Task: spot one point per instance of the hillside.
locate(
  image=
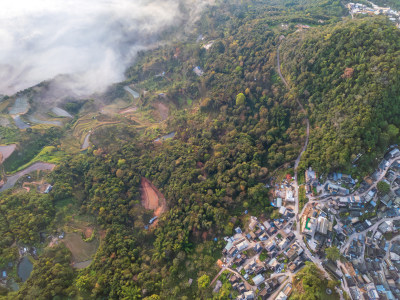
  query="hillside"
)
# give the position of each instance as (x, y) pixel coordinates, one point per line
(348, 77)
(181, 153)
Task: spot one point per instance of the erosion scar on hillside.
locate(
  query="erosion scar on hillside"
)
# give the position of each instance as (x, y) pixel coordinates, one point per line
(152, 198)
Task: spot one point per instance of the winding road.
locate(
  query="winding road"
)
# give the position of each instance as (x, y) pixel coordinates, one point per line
(38, 166)
(373, 228)
(297, 233)
(296, 164)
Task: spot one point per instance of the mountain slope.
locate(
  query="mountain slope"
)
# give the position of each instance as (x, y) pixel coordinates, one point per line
(349, 78)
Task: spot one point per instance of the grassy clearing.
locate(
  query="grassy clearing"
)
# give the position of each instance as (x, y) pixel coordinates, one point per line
(9, 135)
(4, 104)
(302, 197)
(48, 154)
(81, 250)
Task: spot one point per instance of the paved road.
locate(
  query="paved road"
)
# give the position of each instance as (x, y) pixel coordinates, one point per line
(299, 237)
(396, 238)
(373, 228)
(246, 284)
(274, 295)
(344, 282)
(86, 142)
(38, 166)
(296, 164)
(297, 233)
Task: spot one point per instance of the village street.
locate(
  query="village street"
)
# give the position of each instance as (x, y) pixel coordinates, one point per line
(373, 228)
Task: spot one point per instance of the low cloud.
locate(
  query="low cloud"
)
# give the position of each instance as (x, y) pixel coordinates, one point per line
(90, 42)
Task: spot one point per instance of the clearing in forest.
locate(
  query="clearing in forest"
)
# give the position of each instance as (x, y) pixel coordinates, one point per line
(81, 250)
(152, 198)
(6, 151)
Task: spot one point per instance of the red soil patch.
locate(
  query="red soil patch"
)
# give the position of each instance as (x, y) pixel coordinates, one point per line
(152, 198)
(162, 110)
(88, 232)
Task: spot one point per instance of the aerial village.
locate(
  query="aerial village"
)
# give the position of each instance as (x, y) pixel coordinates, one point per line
(357, 8)
(358, 218)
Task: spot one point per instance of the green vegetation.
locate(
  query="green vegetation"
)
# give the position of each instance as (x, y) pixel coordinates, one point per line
(240, 99)
(383, 187)
(23, 216)
(309, 284)
(234, 126)
(31, 146)
(332, 253)
(52, 277)
(394, 4)
(9, 135)
(302, 197)
(347, 76)
(263, 255)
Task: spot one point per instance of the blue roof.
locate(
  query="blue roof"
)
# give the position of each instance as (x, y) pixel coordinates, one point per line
(389, 295)
(380, 288)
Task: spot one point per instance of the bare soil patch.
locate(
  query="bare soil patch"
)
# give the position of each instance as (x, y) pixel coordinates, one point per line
(162, 110)
(6, 151)
(152, 198)
(88, 232)
(128, 110)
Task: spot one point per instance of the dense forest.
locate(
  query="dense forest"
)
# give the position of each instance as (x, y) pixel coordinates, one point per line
(235, 124)
(347, 75)
(393, 4)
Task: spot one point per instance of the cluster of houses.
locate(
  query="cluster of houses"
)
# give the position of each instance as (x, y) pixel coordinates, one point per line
(284, 197)
(317, 226)
(285, 293)
(312, 182)
(328, 223)
(268, 250)
(373, 270)
(357, 8)
(265, 248)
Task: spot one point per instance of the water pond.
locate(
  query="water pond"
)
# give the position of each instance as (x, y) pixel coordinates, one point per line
(25, 268)
(166, 137)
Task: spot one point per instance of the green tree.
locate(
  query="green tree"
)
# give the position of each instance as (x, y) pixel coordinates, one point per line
(153, 297)
(332, 253)
(240, 99)
(383, 187)
(393, 131)
(203, 282)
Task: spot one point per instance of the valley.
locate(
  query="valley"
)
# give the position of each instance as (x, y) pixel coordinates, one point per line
(250, 155)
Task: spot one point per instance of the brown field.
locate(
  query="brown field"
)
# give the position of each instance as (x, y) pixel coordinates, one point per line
(81, 251)
(128, 110)
(6, 151)
(152, 198)
(162, 110)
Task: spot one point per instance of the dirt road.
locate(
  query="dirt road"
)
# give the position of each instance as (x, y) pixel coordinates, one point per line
(38, 166)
